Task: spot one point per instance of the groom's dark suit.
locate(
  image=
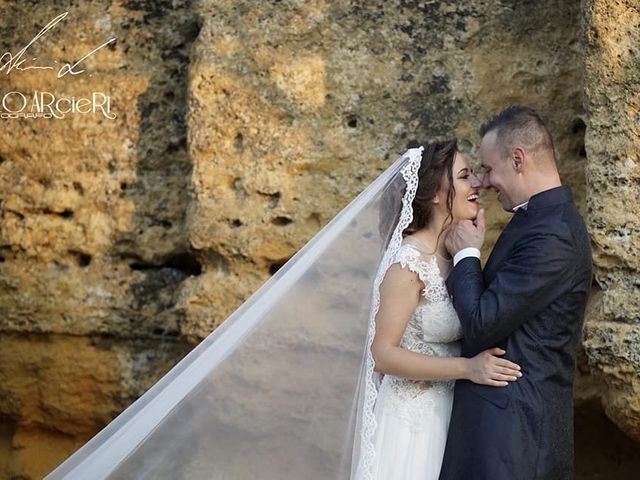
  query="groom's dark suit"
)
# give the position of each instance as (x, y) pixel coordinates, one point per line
(530, 301)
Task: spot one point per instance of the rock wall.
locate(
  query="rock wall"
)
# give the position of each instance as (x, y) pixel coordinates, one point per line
(612, 94)
(93, 243)
(242, 128)
(296, 106)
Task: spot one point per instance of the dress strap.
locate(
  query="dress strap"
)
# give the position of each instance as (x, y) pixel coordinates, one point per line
(426, 267)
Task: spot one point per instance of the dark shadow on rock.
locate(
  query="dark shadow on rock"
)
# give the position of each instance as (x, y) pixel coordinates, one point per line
(603, 451)
(157, 244)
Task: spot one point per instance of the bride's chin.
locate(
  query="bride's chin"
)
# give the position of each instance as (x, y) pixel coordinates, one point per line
(477, 209)
(473, 216)
(467, 214)
(460, 218)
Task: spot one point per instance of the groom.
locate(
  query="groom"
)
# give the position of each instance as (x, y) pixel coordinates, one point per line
(530, 301)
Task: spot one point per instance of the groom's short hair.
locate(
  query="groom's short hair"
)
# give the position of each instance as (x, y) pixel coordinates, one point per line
(518, 124)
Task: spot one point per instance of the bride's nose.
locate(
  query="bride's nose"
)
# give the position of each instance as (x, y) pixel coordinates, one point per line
(475, 181)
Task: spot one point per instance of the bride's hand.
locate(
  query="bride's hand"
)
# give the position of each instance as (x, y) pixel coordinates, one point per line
(487, 368)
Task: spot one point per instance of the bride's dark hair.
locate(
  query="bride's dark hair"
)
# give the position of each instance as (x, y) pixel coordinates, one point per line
(437, 161)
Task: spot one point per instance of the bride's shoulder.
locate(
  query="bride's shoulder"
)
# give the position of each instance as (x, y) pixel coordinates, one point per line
(410, 255)
(416, 255)
(410, 243)
(409, 247)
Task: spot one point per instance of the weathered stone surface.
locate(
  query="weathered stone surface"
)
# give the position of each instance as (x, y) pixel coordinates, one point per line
(295, 107)
(242, 128)
(93, 231)
(612, 87)
(93, 247)
(57, 391)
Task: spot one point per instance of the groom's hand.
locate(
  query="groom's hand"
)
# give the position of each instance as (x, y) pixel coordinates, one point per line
(465, 233)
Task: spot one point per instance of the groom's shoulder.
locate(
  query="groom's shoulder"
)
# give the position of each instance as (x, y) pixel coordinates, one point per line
(572, 220)
(563, 224)
(556, 220)
(558, 216)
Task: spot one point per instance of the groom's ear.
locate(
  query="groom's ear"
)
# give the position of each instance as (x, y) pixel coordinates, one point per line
(517, 159)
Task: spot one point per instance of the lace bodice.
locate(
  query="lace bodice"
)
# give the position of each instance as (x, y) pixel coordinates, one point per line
(435, 320)
(434, 329)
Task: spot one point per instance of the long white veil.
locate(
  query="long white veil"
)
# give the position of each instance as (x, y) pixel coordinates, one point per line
(273, 392)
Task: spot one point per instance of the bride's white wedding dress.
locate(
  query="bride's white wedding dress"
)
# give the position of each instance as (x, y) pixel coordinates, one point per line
(412, 417)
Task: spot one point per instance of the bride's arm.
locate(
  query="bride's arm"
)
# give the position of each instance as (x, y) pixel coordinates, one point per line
(399, 297)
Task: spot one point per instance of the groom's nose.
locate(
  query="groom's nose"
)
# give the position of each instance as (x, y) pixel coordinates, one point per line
(485, 181)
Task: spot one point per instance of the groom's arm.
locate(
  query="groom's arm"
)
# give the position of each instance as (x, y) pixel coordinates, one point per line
(537, 272)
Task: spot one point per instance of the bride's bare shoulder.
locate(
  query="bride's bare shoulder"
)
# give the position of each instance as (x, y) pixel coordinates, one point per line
(417, 244)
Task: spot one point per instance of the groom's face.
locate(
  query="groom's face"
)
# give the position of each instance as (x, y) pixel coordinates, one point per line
(498, 174)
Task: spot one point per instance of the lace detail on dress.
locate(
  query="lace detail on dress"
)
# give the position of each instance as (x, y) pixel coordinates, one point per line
(435, 289)
(413, 401)
(433, 330)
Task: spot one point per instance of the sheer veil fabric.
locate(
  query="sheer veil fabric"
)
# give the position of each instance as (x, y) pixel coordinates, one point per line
(363, 451)
(281, 389)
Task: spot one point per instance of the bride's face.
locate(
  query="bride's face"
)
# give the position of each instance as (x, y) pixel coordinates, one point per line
(465, 201)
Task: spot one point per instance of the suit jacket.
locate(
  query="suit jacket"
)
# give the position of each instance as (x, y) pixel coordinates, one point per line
(530, 301)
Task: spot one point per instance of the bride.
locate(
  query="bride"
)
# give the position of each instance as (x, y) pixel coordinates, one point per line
(414, 346)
